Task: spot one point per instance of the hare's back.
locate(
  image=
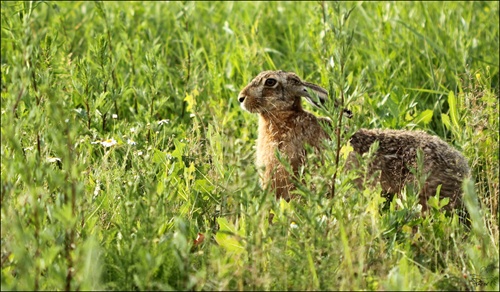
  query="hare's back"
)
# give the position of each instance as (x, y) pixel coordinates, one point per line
(401, 146)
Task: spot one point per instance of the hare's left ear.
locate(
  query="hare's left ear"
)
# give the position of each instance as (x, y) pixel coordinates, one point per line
(322, 96)
(320, 92)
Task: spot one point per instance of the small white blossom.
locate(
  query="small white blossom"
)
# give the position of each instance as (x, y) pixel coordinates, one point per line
(109, 143)
(322, 219)
(97, 188)
(164, 122)
(139, 153)
(227, 29)
(192, 115)
(131, 142)
(132, 130)
(53, 159)
(114, 116)
(332, 62)
(294, 225)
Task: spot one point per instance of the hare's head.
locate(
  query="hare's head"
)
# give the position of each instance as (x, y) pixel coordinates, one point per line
(273, 91)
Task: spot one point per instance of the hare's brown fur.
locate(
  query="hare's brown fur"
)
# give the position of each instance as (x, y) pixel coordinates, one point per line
(397, 156)
(286, 132)
(284, 126)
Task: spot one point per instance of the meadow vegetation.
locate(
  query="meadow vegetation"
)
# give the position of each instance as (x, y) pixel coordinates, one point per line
(127, 163)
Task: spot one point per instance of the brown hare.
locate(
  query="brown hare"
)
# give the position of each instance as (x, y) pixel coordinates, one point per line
(396, 159)
(286, 127)
(283, 124)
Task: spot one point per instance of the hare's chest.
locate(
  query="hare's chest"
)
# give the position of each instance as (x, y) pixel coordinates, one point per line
(284, 140)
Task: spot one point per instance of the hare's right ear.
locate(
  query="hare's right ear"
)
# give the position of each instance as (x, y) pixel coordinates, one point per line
(319, 91)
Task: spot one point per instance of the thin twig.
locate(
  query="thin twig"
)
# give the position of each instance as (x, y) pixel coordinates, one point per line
(14, 108)
(70, 234)
(338, 132)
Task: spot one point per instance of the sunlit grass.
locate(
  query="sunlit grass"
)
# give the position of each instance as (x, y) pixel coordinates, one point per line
(122, 140)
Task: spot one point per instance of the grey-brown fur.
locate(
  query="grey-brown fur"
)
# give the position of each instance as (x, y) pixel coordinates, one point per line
(397, 155)
(284, 126)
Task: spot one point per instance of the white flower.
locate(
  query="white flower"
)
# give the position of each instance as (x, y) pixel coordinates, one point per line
(162, 122)
(132, 130)
(332, 62)
(53, 159)
(114, 116)
(227, 29)
(139, 153)
(192, 115)
(97, 189)
(294, 225)
(322, 219)
(109, 143)
(131, 142)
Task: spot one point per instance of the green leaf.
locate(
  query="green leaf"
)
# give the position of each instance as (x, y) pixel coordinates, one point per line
(191, 100)
(159, 157)
(202, 185)
(446, 120)
(160, 187)
(424, 117)
(179, 149)
(349, 78)
(452, 102)
(225, 239)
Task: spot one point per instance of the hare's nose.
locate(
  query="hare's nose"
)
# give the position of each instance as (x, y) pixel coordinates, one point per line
(241, 98)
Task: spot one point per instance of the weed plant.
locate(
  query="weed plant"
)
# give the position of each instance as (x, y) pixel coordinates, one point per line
(127, 163)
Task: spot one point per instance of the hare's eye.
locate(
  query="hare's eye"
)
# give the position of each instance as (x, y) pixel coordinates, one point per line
(270, 82)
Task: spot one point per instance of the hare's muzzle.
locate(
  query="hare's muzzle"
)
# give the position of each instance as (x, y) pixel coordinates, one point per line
(241, 99)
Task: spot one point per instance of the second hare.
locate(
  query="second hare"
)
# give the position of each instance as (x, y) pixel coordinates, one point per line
(283, 124)
(396, 157)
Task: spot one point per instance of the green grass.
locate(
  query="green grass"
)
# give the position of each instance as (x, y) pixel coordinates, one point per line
(162, 79)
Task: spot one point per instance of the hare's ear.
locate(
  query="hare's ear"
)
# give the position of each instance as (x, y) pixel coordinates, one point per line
(320, 92)
(322, 96)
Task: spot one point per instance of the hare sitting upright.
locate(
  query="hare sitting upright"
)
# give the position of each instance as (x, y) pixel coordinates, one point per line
(283, 124)
(285, 127)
